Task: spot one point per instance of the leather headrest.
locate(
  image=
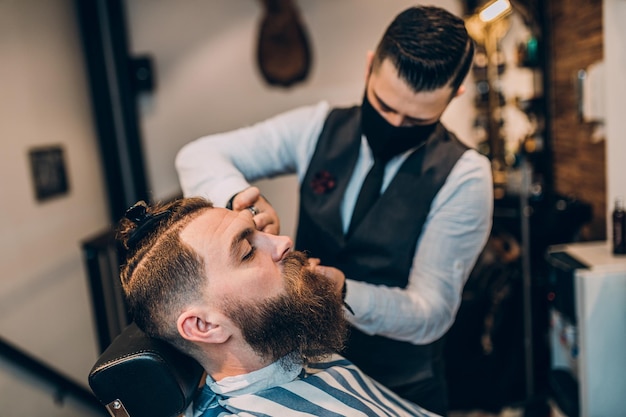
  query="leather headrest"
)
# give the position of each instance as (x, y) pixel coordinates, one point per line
(148, 376)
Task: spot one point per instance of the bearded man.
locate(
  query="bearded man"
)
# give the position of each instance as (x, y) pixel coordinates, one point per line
(254, 313)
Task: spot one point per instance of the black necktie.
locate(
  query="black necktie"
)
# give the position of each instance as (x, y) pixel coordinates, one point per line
(370, 191)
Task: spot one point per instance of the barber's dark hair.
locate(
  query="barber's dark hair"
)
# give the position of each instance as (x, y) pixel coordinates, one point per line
(161, 273)
(429, 46)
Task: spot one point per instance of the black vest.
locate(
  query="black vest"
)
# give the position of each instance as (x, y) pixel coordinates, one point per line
(382, 247)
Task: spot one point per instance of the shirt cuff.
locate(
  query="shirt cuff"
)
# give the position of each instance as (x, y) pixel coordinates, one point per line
(228, 188)
(358, 296)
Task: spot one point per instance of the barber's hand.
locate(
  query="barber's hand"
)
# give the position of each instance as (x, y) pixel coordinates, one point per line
(332, 273)
(266, 218)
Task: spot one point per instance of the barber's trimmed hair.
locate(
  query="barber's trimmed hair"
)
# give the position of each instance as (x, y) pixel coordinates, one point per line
(161, 273)
(429, 46)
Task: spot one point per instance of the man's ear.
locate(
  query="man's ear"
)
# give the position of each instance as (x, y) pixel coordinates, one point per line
(198, 325)
(460, 91)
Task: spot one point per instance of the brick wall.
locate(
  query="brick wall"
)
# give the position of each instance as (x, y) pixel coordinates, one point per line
(579, 163)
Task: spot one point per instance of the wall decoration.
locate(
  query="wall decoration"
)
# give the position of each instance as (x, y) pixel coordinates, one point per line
(48, 171)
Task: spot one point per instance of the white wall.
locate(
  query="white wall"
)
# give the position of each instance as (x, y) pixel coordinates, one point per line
(208, 79)
(44, 100)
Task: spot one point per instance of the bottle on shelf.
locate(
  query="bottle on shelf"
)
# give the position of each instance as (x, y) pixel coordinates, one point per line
(619, 227)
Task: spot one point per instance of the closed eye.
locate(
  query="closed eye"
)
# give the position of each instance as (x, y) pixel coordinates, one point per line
(249, 255)
(384, 107)
(241, 247)
(408, 120)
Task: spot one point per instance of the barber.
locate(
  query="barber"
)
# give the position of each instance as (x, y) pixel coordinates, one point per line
(391, 200)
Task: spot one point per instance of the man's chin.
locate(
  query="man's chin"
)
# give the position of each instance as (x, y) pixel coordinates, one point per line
(307, 320)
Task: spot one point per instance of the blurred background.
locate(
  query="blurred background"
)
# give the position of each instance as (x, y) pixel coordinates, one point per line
(98, 96)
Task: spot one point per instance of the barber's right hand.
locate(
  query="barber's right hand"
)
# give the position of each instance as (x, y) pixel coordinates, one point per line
(266, 219)
(336, 276)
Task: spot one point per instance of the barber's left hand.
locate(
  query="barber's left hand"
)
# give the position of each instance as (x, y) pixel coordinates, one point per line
(266, 219)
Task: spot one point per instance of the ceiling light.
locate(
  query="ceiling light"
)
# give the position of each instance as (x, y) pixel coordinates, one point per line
(494, 10)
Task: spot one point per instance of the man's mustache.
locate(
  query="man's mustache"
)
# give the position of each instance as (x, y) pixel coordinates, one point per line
(294, 262)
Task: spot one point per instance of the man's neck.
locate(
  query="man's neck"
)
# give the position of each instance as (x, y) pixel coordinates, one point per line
(229, 361)
(276, 374)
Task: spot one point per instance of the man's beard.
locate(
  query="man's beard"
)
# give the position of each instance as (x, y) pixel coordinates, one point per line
(308, 321)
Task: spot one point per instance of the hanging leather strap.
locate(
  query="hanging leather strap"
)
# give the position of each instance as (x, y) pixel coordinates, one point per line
(283, 51)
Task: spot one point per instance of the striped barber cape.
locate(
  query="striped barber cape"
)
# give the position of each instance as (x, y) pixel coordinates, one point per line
(333, 387)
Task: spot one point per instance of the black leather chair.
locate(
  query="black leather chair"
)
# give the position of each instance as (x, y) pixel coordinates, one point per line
(139, 376)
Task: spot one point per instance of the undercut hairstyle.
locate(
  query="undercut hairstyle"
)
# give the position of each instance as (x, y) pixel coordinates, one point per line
(429, 47)
(161, 273)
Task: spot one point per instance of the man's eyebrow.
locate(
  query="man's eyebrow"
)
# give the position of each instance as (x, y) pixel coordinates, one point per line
(236, 242)
(387, 107)
(383, 103)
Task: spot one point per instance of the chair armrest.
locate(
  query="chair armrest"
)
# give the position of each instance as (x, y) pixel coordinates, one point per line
(139, 376)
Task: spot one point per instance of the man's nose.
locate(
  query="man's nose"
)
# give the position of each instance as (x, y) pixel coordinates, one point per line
(279, 246)
(395, 119)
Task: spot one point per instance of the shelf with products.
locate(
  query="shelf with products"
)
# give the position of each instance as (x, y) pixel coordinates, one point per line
(508, 284)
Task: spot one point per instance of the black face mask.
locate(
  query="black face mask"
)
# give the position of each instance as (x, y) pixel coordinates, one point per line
(387, 140)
